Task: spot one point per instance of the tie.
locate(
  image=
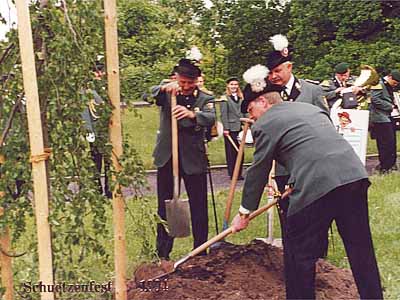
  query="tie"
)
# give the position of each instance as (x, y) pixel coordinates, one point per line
(285, 95)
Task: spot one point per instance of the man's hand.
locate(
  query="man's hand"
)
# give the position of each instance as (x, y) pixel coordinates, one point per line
(339, 89)
(357, 90)
(180, 112)
(247, 120)
(226, 132)
(239, 223)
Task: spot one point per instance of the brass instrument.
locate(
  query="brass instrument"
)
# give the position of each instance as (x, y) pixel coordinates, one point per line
(367, 79)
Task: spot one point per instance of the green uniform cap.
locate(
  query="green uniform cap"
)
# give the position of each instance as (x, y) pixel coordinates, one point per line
(341, 68)
(395, 75)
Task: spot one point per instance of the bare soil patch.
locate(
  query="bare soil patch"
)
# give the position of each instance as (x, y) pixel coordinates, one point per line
(253, 271)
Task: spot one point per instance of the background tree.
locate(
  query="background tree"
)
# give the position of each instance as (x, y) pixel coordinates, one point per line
(357, 32)
(153, 36)
(245, 28)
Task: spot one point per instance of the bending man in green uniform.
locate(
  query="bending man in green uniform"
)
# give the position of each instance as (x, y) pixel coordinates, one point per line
(328, 183)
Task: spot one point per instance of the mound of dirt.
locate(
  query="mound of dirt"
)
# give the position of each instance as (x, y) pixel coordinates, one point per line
(253, 271)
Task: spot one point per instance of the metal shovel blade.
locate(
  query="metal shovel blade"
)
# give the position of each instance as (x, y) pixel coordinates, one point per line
(178, 217)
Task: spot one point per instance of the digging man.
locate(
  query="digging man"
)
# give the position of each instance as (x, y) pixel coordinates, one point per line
(328, 182)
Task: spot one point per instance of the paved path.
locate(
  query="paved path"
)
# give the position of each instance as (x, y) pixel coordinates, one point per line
(221, 180)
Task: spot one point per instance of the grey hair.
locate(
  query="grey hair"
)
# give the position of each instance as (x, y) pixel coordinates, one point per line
(272, 98)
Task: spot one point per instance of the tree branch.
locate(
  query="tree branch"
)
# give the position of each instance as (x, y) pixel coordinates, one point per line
(6, 52)
(10, 120)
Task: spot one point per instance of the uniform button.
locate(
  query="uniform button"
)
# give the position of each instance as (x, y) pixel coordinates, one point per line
(188, 106)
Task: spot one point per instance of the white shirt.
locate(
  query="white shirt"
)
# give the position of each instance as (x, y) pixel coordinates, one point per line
(342, 84)
(289, 85)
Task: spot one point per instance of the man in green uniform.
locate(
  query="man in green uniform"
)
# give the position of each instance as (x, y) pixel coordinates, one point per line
(382, 104)
(279, 63)
(332, 88)
(230, 118)
(194, 111)
(328, 183)
(95, 118)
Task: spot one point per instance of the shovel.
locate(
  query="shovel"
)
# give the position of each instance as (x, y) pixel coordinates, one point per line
(178, 210)
(221, 236)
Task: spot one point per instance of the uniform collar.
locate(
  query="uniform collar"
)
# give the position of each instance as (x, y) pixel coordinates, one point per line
(289, 85)
(195, 93)
(339, 82)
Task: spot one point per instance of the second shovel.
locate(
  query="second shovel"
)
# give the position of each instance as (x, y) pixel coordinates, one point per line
(178, 210)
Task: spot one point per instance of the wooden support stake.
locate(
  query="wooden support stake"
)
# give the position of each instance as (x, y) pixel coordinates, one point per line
(6, 265)
(40, 187)
(116, 140)
(5, 261)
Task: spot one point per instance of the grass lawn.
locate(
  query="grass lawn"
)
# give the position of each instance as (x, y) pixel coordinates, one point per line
(384, 209)
(140, 128)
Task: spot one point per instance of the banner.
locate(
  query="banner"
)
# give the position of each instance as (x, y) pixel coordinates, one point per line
(352, 124)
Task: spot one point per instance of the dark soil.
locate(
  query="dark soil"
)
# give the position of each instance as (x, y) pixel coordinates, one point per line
(253, 271)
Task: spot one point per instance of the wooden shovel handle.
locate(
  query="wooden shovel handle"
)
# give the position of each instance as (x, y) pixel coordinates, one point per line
(175, 159)
(228, 231)
(235, 175)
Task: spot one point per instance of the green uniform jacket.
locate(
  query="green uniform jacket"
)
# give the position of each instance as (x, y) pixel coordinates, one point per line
(190, 132)
(302, 138)
(88, 119)
(306, 92)
(381, 104)
(329, 87)
(231, 113)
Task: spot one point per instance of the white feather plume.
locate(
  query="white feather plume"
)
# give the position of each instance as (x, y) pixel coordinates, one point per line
(255, 76)
(194, 54)
(279, 42)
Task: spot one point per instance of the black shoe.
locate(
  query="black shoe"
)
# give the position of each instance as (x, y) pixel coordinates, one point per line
(164, 258)
(385, 171)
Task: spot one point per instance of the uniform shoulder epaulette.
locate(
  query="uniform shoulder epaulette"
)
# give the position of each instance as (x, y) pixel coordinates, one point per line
(377, 87)
(325, 83)
(165, 81)
(222, 98)
(205, 91)
(312, 81)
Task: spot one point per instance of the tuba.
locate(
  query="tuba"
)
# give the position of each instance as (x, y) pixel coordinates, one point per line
(367, 79)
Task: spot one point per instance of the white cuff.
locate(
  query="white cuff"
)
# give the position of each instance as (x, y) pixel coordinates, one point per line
(244, 211)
